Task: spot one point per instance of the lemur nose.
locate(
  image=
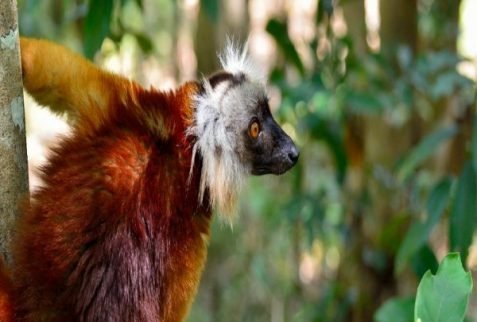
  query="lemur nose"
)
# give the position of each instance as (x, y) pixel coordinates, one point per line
(293, 154)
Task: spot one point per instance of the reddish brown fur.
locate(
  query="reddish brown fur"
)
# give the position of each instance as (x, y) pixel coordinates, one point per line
(116, 233)
(6, 291)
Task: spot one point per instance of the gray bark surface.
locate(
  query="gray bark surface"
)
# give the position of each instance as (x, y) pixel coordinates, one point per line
(13, 157)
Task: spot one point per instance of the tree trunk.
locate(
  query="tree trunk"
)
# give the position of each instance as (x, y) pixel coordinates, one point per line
(451, 109)
(13, 157)
(398, 24)
(354, 13)
(232, 21)
(206, 44)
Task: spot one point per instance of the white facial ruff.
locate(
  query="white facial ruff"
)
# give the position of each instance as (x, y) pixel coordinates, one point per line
(223, 173)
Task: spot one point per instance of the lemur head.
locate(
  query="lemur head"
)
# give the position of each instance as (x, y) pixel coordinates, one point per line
(235, 132)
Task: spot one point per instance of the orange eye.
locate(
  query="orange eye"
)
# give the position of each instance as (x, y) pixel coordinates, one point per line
(254, 129)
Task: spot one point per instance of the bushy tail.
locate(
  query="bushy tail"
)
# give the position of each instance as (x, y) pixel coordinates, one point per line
(6, 295)
(68, 83)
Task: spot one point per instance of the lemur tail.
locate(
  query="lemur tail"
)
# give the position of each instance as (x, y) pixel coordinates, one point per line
(6, 295)
(68, 83)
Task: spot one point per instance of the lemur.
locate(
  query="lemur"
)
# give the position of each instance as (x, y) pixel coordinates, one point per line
(119, 229)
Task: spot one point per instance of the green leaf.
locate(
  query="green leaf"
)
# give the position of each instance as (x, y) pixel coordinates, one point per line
(139, 3)
(419, 232)
(463, 212)
(444, 297)
(474, 144)
(144, 42)
(396, 310)
(279, 31)
(96, 25)
(423, 150)
(211, 8)
(424, 260)
(447, 83)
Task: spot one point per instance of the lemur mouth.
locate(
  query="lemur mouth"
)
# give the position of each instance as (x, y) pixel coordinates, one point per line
(261, 171)
(264, 171)
(283, 165)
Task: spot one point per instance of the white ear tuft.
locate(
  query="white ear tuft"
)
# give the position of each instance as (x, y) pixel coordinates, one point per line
(235, 60)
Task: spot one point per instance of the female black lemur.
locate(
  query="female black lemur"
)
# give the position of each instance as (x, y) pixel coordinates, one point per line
(118, 231)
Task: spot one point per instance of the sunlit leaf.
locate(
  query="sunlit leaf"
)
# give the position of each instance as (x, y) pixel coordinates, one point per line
(418, 234)
(444, 296)
(279, 31)
(396, 309)
(463, 213)
(96, 25)
(423, 150)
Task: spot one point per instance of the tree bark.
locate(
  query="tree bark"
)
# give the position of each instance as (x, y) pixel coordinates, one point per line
(354, 13)
(206, 44)
(451, 109)
(13, 157)
(398, 24)
(233, 21)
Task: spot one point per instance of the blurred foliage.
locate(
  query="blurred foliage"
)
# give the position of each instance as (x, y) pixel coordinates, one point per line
(342, 86)
(84, 24)
(344, 231)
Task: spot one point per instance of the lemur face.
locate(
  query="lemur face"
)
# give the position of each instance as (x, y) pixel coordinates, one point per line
(234, 131)
(260, 143)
